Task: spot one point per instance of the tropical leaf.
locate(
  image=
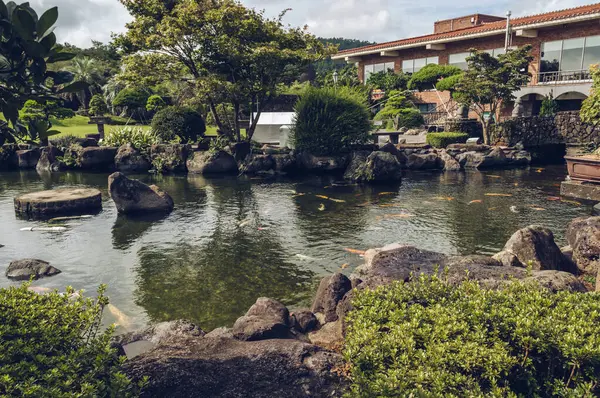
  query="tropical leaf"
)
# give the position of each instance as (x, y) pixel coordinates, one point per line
(46, 21)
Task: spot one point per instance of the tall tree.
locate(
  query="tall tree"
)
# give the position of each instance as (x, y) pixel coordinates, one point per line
(491, 81)
(229, 53)
(87, 70)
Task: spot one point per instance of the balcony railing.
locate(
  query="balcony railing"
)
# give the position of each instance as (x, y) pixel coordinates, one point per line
(563, 76)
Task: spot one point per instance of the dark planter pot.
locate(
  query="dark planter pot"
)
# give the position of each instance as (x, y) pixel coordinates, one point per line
(584, 168)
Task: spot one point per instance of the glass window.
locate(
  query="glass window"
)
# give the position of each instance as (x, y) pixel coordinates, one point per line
(572, 54)
(368, 71)
(407, 66)
(389, 66)
(592, 52)
(433, 60)
(551, 56)
(378, 68)
(419, 64)
(498, 51)
(459, 60)
(426, 108)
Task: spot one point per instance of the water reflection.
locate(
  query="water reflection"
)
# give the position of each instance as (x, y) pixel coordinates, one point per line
(231, 240)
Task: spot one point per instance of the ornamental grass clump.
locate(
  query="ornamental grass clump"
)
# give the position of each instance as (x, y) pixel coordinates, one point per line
(139, 137)
(426, 338)
(53, 345)
(329, 121)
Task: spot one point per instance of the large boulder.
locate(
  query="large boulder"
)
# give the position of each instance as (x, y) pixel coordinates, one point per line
(557, 281)
(331, 290)
(535, 245)
(28, 158)
(131, 160)
(96, 158)
(429, 161)
(321, 164)
(393, 150)
(357, 162)
(480, 160)
(377, 167)
(24, 270)
(219, 162)
(448, 162)
(266, 319)
(171, 157)
(224, 367)
(258, 164)
(304, 321)
(285, 163)
(8, 157)
(583, 235)
(132, 196)
(162, 332)
(49, 160)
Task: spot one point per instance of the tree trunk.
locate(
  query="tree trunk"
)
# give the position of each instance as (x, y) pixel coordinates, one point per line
(236, 120)
(213, 110)
(486, 131)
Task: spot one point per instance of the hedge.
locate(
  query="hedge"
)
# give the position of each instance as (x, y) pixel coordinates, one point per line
(442, 140)
(427, 338)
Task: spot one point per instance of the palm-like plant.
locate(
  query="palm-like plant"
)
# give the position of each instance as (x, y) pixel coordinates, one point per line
(111, 89)
(87, 70)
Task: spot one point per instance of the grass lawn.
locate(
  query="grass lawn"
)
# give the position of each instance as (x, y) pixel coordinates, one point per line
(79, 127)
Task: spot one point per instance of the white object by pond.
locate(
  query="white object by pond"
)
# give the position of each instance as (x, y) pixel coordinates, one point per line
(45, 229)
(268, 127)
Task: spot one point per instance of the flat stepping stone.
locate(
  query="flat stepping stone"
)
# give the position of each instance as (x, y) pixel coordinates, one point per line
(56, 202)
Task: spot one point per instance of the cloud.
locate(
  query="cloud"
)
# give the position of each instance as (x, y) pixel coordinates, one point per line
(80, 21)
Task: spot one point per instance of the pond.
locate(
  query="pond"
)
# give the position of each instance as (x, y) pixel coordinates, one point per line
(232, 240)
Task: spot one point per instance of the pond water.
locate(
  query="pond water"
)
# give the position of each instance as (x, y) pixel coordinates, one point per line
(232, 240)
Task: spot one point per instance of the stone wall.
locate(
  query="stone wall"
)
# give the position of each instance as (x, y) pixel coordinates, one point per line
(564, 128)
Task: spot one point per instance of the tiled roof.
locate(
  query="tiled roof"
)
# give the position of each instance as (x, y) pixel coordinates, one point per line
(486, 27)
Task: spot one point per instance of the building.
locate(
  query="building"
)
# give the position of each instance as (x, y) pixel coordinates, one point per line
(564, 45)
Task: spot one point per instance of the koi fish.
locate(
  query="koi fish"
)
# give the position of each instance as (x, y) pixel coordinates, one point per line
(322, 197)
(322, 207)
(539, 170)
(502, 195)
(492, 176)
(60, 219)
(448, 198)
(538, 209)
(476, 201)
(355, 251)
(492, 208)
(387, 193)
(45, 229)
(571, 202)
(344, 266)
(554, 198)
(514, 209)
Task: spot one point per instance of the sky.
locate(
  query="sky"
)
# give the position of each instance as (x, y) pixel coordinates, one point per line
(81, 21)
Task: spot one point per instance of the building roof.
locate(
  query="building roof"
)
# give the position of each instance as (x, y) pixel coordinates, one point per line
(550, 18)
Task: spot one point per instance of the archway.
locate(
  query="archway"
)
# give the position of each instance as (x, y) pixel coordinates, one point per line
(570, 101)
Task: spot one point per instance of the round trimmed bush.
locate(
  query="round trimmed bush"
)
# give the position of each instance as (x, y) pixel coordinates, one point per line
(98, 106)
(132, 100)
(442, 140)
(155, 103)
(330, 121)
(178, 122)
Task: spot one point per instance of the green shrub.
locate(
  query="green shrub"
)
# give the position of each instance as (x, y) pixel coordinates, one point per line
(389, 125)
(329, 121)
(428, 76)
(132, 101)
(98, 106)
(51, 345)
(442, 140)
(155, 103)
(426, 338)
(137, 136)
(64, 141)
(410, 118)
(33, 110)
(549, 106)
(183, 123)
